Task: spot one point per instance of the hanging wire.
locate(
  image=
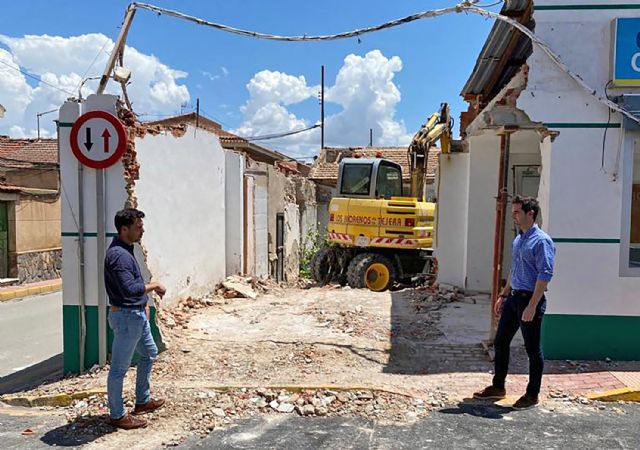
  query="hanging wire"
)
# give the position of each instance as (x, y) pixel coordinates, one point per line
(466, 6)
(280, 135)
(25, 73)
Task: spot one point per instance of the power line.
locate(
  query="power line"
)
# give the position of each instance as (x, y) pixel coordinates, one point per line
(329, 37)
(279, 135)
(36, 78)
(465, 6)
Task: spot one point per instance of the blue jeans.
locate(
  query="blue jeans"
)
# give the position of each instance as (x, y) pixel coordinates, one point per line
(131, 332)
(510, 321)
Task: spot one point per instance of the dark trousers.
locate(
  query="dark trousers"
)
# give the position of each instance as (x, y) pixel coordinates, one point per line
(510, 321)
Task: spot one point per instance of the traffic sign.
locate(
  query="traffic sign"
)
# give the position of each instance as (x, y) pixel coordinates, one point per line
(98, 139)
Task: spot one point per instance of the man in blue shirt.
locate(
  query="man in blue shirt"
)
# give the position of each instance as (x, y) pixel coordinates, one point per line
(129, 320)
(522, 303)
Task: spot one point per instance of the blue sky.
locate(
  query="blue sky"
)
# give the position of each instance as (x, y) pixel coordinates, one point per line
(393, 81)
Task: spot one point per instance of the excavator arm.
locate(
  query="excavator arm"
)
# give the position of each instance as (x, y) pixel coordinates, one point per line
(437, 127)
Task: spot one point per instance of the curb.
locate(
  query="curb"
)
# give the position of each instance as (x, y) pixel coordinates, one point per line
(26, 291)
(628, 394)
(58, 400)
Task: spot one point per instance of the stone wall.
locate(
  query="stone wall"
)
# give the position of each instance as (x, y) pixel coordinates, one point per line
(39, 266)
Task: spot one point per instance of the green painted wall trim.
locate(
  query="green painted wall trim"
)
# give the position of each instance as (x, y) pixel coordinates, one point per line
(568, 336)
(71, 337)
(86, 234)
(584, 7)
(581, 125)
(586, 240)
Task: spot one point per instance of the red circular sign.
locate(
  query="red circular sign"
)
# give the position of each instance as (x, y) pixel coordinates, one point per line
(98, 139)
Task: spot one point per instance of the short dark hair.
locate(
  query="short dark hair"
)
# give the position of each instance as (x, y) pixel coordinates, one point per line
(126, 217)
(527, 204)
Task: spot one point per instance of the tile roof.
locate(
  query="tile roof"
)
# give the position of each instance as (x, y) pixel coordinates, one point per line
(325, 167)
(23, 153)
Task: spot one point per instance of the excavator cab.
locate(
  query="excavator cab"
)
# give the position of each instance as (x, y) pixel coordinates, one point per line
(369, 178)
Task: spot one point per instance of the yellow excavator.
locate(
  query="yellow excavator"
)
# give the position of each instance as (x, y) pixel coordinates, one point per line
(377, 235)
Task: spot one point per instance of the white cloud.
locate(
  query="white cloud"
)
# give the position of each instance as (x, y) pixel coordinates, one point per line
(154, 86)
(215, 77)
(364, 89)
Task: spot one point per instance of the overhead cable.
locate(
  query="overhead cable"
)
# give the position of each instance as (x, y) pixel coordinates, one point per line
(466, 6)
(280, 135)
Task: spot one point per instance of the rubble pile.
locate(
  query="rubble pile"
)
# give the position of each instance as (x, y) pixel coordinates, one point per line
(354, 322)
(247, 287)
(233, 287)
(212, 409)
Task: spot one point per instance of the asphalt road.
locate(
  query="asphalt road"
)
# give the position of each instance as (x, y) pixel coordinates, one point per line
(466, 426)
(30, 331)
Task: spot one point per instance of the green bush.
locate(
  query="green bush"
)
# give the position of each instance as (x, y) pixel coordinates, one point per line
(311, 244)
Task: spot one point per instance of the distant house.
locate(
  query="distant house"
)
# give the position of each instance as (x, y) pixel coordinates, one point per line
(30, 246)
(324, 171)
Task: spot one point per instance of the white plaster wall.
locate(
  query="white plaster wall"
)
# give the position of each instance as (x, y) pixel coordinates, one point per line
(451, 217)
(587, 281)
(276, 205)
(291, 242)
(234, 219)
(308, 223)
(483, 185)
(261, 227)
(182, 192)
(583, 198)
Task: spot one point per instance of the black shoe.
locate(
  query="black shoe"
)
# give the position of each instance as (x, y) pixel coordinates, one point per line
(491, 393)
(526, 401)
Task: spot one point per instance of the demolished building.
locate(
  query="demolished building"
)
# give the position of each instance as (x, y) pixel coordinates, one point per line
(533, 129)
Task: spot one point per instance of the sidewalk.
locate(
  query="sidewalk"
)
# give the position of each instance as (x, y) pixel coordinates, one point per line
(25, 290)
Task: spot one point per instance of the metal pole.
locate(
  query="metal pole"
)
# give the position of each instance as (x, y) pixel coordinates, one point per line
(501, 213)
(370, 137)
(102, 239)
(100, 203)
(81, 282)
(128, 18)
(322, 107)
(38, 119)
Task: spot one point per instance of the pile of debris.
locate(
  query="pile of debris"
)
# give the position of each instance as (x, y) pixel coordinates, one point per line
(247, 287)
(216, 409)
(233, 287)
(354, 322)
(434, 297)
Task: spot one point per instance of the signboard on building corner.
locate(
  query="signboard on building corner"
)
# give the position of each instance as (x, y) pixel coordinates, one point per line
(626, 52)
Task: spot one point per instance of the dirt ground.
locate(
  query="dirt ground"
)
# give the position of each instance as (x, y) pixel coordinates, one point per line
(389, 356)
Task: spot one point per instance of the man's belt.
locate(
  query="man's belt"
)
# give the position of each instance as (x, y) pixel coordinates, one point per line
(521, 293)
(115, 308)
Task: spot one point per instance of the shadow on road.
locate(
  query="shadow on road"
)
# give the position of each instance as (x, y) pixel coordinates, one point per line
(420, 347)
(29, 377)
(472, 407)
(80, 431)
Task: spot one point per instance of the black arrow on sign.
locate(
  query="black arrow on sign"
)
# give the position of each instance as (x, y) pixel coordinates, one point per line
(88, 142)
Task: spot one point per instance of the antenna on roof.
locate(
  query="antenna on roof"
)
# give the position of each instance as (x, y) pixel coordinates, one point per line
(38, 115)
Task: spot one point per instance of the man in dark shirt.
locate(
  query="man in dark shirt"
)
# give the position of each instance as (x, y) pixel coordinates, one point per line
(129, 320)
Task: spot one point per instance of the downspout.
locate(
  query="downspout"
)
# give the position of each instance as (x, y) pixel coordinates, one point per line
(501, 214)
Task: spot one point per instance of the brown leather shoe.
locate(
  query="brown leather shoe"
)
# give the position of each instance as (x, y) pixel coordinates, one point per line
(128, 422)
(526, 401)
(148, 407)
(491, 393)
